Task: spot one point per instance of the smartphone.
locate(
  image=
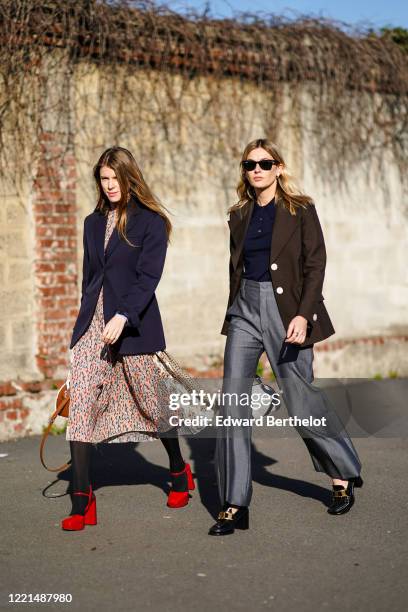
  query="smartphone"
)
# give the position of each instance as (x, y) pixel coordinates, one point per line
(289, 352)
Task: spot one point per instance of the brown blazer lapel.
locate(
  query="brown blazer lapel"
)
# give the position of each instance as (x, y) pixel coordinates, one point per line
(283, 228)
(238, 224)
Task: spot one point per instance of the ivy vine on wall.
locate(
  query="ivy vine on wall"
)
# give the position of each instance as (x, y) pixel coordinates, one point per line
(179, 76)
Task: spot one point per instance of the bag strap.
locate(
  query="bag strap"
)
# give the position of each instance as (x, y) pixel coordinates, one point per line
(180, 374)
(43, 440)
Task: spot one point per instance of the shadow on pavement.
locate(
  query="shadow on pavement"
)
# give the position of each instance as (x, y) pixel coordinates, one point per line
(202, 455)
(122, 464)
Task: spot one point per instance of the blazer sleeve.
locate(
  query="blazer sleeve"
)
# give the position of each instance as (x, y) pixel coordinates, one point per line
(85, 263)
(230, 266)
(314, 263)
(231, 247)
(149, 270)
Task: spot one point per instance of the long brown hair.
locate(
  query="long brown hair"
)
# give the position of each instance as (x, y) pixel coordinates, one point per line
(131, 182)
(287, 194)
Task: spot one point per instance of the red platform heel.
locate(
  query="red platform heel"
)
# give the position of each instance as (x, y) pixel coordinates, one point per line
(76, 522)
(178, 499)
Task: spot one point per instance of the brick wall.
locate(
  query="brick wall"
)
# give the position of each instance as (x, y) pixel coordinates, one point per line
(55, 266)
(25, 404)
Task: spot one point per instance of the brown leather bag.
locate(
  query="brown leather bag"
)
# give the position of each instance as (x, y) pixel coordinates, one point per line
(61, 409)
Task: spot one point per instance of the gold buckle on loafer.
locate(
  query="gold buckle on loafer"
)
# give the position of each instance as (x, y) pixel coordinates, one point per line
(225, 516)
(341, 493)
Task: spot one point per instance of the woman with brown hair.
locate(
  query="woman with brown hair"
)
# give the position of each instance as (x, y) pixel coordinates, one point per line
(119, 369)
(276, 305)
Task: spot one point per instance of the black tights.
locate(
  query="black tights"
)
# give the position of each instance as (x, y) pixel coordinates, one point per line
(80, 466)
(170, 442)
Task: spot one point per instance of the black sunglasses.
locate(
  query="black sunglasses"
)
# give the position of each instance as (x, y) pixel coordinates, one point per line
(264, 164)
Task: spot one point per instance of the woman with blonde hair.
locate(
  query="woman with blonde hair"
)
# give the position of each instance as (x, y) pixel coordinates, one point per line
(275, 304)
(119, 368)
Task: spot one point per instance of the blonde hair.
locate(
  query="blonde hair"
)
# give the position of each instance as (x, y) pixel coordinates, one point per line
(131, 182)
(287, 194)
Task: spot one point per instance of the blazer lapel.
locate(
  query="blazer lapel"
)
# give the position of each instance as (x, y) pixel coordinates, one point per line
(112, 242)
(238, 226)
(283, 227)
(99, 234)
(132, 212)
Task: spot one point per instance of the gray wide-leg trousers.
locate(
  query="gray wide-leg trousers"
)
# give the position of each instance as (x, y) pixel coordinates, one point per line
(255, 327)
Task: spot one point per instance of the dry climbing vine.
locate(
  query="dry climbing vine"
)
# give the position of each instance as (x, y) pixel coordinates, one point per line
(187, 81)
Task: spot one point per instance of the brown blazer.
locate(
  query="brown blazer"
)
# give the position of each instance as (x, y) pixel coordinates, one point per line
(297, 264)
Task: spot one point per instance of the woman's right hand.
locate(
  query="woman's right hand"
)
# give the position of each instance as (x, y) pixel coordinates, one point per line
(297, 328)
(113, 329)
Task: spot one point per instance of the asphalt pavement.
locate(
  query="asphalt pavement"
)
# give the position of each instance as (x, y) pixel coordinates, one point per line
(145, 556)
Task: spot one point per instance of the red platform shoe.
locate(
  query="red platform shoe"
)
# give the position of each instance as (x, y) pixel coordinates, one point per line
(76, 522)
(178, 499)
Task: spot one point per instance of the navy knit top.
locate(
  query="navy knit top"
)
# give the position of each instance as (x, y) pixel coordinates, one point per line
(257, 245)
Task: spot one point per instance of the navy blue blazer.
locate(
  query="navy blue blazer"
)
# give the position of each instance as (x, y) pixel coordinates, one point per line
(129, 276)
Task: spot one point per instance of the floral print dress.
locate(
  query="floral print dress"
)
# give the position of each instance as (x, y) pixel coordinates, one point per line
(115, 400)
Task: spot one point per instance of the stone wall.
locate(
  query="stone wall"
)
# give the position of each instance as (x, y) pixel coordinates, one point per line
(364, 222)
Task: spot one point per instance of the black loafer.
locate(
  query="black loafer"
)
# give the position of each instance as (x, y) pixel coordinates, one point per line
(343, 498)
(228, 521)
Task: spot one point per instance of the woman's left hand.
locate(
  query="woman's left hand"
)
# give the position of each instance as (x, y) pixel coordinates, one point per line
(113, 329)
(296, 333)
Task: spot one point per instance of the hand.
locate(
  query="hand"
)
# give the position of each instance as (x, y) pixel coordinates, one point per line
(113, 329)
(296, 333)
